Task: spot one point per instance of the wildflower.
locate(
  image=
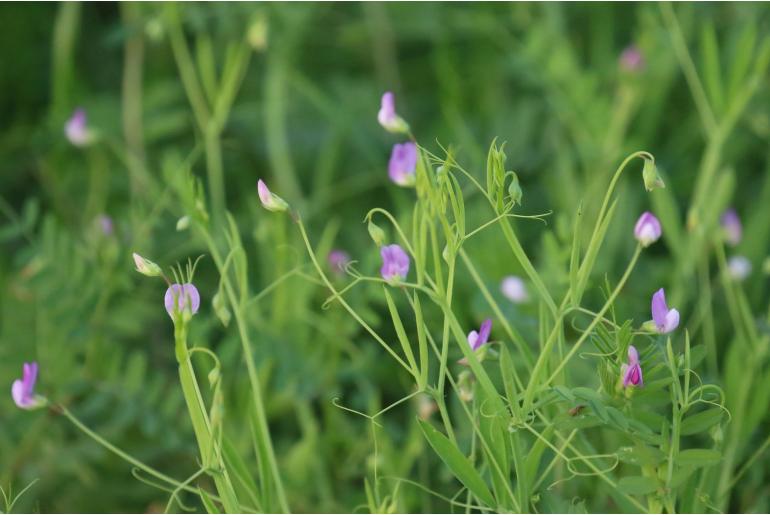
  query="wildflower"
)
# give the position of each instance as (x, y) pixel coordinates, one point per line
(186, 296)
(395, 263)
(270, 200)
(338, 260)
(76, 129)
(739, 267)
(387, 115)
(647, 229)
(632, 59)
(106, 225)
(23, 390)
(665, 320)
(402, 164)
(632, 372)
(514, 289)
(477, 339)
(146, 267)
(731, 227)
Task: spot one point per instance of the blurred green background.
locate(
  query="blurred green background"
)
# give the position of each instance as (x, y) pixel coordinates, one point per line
(544, 78)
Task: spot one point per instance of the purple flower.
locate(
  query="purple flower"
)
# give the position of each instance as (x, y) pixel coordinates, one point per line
(477, 339)
(23, 390)
(665, 320)
(76, 129)
(338, 260)
(739, 267)
(186, 297)
(106, 225)
(270, 200)
(395, 263)
(647, 229)
(632, 59)
(402, 164)
(514, 289)
(632, 372)
(387, 115)
(731, 225)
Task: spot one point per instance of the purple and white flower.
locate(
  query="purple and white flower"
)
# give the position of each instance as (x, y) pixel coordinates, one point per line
(182, 298)
(338, 260)
(76, 129)
(23, 390)
(731, 227)
(514, 289)
(739, 267)
(665, 320)
(632, 371)
(403, 163)
(388, 117)
(632, 59)
(477, 339)
(395, 263)
(647, 229)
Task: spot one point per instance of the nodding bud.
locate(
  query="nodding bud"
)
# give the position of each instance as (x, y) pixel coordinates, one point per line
(647, 230)
(270, 200)
(514, 189)
(220, 309)
(650, 174)
(257, 34)
(377, 234)
(146, 267)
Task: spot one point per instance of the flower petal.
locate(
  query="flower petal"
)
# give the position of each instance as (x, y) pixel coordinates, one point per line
(659, 308)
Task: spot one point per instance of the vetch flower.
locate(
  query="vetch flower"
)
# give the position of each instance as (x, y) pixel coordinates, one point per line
(632, 372)
(402, 164)
(731, 226)
(106, 225)
(632, 59)
(76, 129)
(477, 339)
(395, 263)
(146, 267)
(739, 267)
(270, 200)
(338, 260)
(664, 319)
(187, 298)
(514, 289)
(387, 115)
(23, 390)
(647, 229)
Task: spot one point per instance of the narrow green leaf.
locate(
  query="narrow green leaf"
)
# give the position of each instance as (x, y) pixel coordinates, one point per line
(460, 466)
(699, 457)
(637, 485)
(401, 333)
(700, 422)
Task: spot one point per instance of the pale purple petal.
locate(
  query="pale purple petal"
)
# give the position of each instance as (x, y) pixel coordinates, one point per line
(632, 375)
(395, 262)
(338, 260)
(672, 321)
(403, 163)
(23, 390)
(659, 308)
(484, 330)
(632, 59)
(731, 224)
(647, 229)
(514, 289)
(264, 193)
(473, 338)
(633, 355)
(17, 392)
(186, 295)
(739, 267)
(76, 130)
(387, 114)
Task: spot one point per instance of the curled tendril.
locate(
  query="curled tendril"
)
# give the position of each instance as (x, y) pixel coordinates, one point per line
(136, 472)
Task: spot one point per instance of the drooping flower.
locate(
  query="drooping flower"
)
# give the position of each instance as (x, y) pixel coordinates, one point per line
(514, 289)
(395, 263)
(186, 296)
(23, 390)
(647, 229)
(338, 260)
(270, 200)
(403, 163)
(76, 129)
(388, 117)
(632, 59)
(731, 226)
(632, 372)
(146, 267)
(739, 267)
(477, 339)
(664, 319)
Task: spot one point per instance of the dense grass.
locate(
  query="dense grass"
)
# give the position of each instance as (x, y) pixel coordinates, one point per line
(340, 392)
